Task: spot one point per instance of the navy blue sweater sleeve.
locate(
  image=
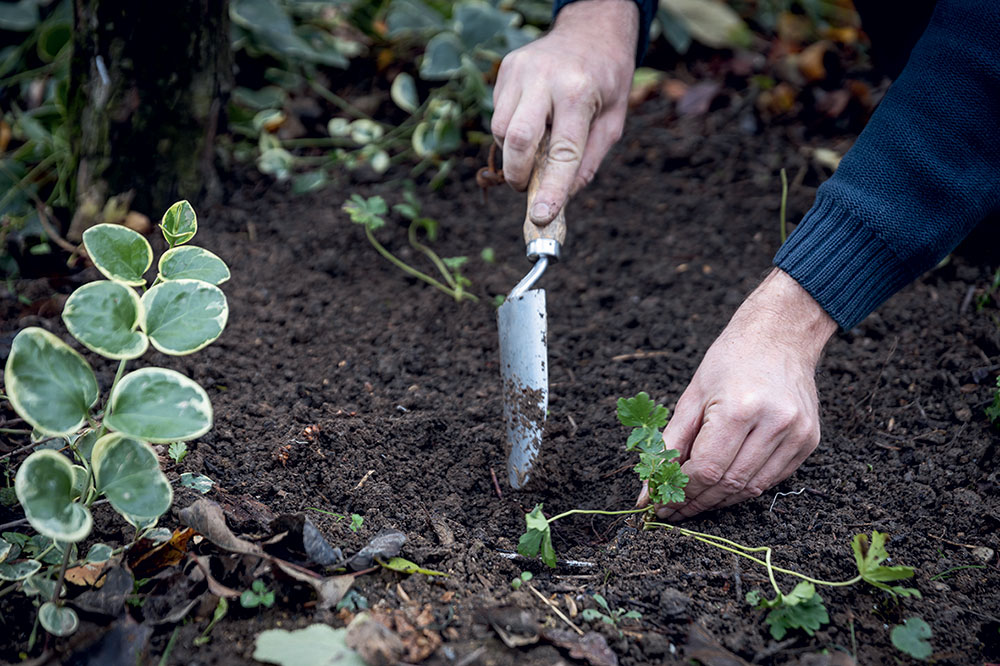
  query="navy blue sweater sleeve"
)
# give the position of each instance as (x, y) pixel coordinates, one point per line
(647, 12)
(923, 173)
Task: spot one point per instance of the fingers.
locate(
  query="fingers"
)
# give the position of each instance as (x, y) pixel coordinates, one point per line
(521, 135)
(604, 133)
(683, 426)
(779, 467)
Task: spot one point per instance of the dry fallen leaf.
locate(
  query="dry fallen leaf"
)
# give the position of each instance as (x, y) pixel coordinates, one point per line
(206, 518)
(85, 575)
(374, 641)
(412, 628)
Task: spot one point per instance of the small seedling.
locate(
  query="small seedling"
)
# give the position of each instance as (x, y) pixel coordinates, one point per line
(220, 612)
(353, 601)
(656, 462)
(911, 638)
(521, 580)
(984, 298)
(177, 451)
(608, 616)
(369, 214)
(993, 411)
(356, 520)
(257, 595)
(801, 609)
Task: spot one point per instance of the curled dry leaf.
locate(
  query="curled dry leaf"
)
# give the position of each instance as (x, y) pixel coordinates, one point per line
(109, 599)
(374, 641)
(591, 647)
(384, 546)
(206, 518)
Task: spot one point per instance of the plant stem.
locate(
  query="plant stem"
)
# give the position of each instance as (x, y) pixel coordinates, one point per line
(409, 270)
(14, 431)
(111, 392)
(431, 254)
(600, 513)
(784, 201)
(62, 573)
(743, 551)
(338, 101)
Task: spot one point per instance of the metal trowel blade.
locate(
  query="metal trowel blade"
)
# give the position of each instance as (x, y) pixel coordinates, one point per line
(525, 370)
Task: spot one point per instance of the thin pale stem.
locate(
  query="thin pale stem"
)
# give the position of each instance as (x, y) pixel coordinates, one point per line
(15, 431)
(62, 573)
(409, 270)
(743, 551)
(338, 101)
(431, 254)
(596, 511)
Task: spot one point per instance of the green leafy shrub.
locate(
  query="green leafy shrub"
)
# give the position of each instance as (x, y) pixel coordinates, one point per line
(53, 388)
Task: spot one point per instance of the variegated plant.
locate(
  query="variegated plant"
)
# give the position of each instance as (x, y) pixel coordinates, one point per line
(52, 387)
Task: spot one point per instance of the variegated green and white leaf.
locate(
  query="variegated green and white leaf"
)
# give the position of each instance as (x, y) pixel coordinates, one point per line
(179, 224)
(5, 549)
(99, 552)
(58, 620)
(127, 472)
(193, 263)
(183, 316)
(104, 316)
(119, 253)
(19, 570)
(49, 384)
(44, 486)
(159, 405)
(81, 479)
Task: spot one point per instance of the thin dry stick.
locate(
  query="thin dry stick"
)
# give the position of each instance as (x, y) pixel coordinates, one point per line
(639, 355)
(496, 484)
(363, 479)
(952, 543)
(555, 609)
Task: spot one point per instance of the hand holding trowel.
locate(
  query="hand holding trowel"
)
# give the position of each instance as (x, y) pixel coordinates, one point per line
(524, 363)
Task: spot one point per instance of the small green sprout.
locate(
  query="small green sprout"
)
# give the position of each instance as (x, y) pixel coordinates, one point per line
(177, 451)
(369, 214)
(609, 616)
(522, 579)
(257, 595)
(869, 558)
(537, 537)
(993, 411)
(356, 520)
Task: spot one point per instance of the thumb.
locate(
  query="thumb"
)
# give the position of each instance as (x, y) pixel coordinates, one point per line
(683, 427)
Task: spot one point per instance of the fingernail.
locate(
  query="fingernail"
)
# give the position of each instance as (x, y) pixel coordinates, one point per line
(540, 212)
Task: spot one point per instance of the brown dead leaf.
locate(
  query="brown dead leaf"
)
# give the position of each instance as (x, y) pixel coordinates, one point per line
(5, 135)
(591, 647)
(703, 647)
(374, 641)
(214, 586)
(147, 558)
(206, 518)
(85, 575)
(674, 89)
(447, 596)
(698, 98)
(411, 626)
(811, 61)
(329, 591)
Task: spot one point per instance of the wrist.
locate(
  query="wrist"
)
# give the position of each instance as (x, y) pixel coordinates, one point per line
(786, 314)
(611, 22)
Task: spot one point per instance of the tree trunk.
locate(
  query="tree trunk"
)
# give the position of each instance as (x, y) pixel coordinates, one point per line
(149, 82)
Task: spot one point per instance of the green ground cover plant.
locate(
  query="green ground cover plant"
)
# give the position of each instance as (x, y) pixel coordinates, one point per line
(664, 482)
(54, 389)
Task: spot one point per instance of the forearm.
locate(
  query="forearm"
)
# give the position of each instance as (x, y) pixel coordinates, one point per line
(920, 177)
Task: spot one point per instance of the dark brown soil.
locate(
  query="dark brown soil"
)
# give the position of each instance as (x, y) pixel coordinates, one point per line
(404, 386)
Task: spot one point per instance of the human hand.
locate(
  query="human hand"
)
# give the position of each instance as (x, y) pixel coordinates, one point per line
(577, 77)
(750, 415)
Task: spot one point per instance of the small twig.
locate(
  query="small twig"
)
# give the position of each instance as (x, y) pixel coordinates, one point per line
(640, 355)
(56, 238)
(555, 609)
(496, 484)
(363, 479)
(472, 657)
(737, 579)
(878, 380)
(624, 468)
(952, 543)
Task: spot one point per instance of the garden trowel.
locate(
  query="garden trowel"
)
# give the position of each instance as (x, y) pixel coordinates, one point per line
(523, 351)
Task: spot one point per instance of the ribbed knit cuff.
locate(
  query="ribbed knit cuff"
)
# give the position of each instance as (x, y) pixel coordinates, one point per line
(647, 12)
(841, 263)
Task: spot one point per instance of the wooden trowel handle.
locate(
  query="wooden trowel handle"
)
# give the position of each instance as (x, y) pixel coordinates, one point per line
(556, 229)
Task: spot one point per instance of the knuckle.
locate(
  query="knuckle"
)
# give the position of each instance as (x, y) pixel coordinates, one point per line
(564, 150)
(519, 138)
(708, 474)
(785, 417)
(733, 483)
(754, 489)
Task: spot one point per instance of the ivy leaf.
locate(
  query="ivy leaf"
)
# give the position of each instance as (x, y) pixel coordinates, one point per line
(642, 412)
(869, 558)
(911, 638)
(537, 538)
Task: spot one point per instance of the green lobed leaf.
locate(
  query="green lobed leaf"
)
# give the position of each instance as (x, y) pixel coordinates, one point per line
(49, 384)
(537, 538)
(58, 620)
(19, 570)
(193, 263)
(366, 212)
(316, 645)
(869, 558)
(911, 638)
(159, 405)
(127, 472)
(44, 485)
(179, 223)
(183, 316)
(103, 316)
(801, 609)
(642, 412)
(119, 253)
